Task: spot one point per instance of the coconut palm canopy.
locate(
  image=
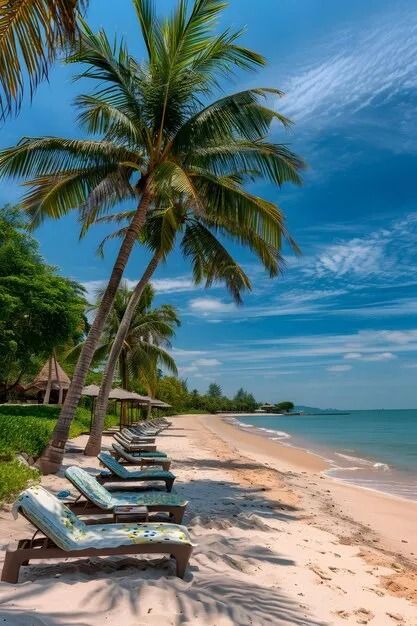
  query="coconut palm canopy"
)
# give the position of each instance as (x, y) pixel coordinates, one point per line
(32, 32)
(153, 125)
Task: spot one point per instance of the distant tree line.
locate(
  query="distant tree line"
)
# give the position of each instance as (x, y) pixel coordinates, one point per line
(176, 393)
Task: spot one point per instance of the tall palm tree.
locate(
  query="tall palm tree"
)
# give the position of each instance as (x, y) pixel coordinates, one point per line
(210, 261)
(32, 32)
(156, 127)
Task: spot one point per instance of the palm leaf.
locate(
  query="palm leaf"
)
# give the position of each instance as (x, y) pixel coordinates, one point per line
(32, 32)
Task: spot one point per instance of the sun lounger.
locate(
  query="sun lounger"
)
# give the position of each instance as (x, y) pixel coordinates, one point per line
(142, 431)
(117, 448)
(99, 499)
(139, 459)
(118, 472)
(67, 536)
(134, 447)
(135, 437)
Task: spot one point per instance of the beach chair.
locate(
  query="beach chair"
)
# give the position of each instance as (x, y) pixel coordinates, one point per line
(135, 437)
(133, 447)
(66, 536)
(144, 431)
(99, 499)
(118, 473)
(138, 459)
(156, 454)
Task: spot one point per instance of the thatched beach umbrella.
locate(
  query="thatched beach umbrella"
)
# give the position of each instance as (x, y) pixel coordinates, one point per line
(50, 378)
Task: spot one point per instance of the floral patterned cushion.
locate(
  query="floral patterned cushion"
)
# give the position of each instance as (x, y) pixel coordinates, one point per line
(89, 487)
(113, 535)
(58, 523)
(51, 516)
(117, 468)
(106, 500)
(147, 498)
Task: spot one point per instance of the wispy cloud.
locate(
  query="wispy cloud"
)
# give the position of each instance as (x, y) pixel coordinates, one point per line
(176, 284)
(387, 253)
(207, 306)
(370, 62)
(339, 368)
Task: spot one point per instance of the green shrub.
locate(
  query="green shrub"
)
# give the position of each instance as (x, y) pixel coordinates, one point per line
(24, 433)
(31, 410)
(30, 433)
(14, 477)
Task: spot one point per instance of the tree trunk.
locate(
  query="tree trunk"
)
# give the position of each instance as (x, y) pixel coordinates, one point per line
(124, 374)
(51, 459)
(47, 395)
(61, 390)
(93, 446)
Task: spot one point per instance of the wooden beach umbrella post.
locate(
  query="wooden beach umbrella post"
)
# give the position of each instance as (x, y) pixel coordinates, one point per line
(91, 391)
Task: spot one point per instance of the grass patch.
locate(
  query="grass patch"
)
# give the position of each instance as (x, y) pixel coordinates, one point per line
(14, 477)
(30, 433)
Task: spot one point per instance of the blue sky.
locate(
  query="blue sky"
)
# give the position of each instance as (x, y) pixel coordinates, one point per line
(340, 327)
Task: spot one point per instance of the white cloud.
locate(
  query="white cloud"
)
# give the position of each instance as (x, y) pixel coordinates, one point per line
(367, 63)
(189, 369)
(161, 285)
(339, 368)
(92, 287)
(206, 362)
(174, 285)
(205, 306)
(385, 254)
(381, 356)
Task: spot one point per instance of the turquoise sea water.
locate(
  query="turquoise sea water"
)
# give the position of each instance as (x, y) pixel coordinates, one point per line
(375, 449)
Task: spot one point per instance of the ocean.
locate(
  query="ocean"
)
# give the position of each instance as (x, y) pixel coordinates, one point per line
(373, 449)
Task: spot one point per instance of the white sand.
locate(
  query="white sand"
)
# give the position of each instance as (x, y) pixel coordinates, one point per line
(272, 549)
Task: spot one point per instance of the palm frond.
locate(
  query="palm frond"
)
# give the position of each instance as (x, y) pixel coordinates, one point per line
(211, 261)
(32, 32)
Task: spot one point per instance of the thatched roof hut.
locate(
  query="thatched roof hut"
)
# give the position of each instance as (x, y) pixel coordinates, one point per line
(59, 379)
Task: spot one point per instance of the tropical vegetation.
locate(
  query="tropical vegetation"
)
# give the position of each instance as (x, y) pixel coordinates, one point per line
(156, 131)
(32, 33)
(26, 429)
(40, 311)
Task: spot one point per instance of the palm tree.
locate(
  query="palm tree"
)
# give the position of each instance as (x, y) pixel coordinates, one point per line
(210, 261)
(32, 32)
(156, 128)
(149, 333)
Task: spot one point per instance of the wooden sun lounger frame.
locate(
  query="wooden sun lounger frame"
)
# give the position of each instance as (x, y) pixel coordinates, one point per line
(27, 550)
(43, 548)
(86, 507)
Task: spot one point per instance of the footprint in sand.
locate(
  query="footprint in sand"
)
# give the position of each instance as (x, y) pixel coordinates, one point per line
(364, 616)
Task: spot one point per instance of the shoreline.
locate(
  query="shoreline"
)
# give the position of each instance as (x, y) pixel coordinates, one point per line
(272, 547)
(392, 517)
(329, 465)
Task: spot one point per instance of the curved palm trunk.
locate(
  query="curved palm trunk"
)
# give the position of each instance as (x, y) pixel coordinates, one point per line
(51, 458)
(93, 446)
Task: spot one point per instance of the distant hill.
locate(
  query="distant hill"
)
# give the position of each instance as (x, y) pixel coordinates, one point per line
(312, 409)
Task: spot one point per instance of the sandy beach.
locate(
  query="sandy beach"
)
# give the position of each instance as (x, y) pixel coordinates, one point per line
(278, 543)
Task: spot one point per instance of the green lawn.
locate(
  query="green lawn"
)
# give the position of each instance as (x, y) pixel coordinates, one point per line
(27, 428)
